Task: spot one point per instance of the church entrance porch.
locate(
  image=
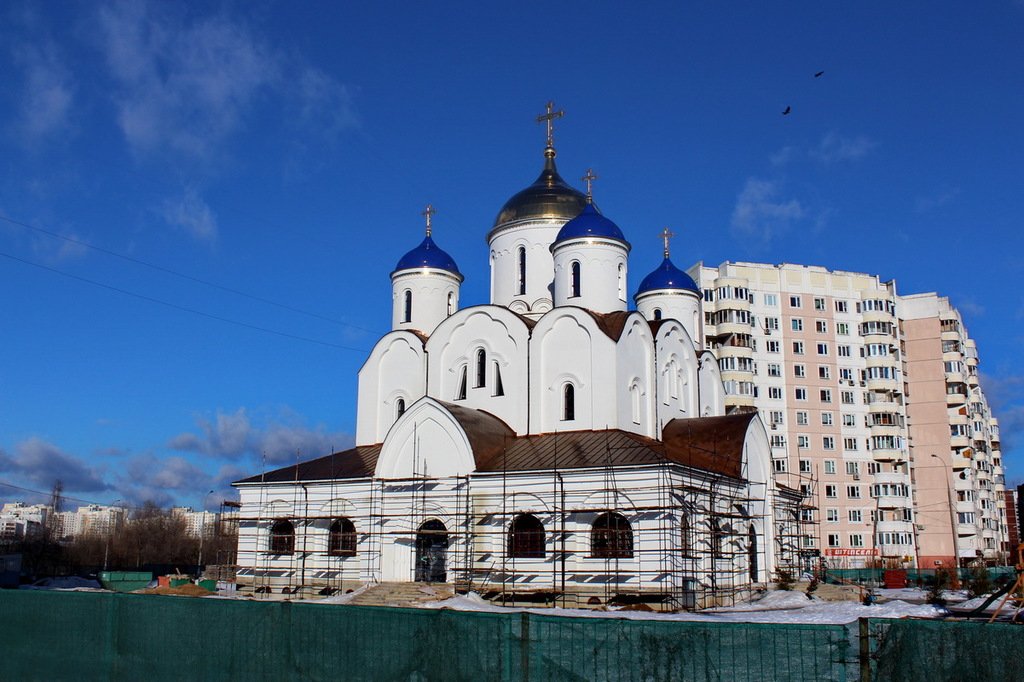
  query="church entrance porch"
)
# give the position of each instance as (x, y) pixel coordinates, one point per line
(432, 552)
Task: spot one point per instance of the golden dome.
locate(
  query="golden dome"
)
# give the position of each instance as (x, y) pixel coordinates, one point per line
(548, 197)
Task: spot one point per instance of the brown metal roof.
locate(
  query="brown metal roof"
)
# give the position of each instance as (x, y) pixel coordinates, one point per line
(611, 324)
(714, 444)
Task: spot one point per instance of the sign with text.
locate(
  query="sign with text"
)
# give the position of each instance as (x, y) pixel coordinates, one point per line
(860, 551)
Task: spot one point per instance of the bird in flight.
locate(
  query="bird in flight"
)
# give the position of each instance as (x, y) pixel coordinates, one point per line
(787, 110)
(819, 74)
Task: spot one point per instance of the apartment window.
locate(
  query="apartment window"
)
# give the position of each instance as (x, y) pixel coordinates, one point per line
(803, 442)
(797, 324)
(805, 466)
(856, 540)
(775, 393)
(800, 393)
(833, 539)
(849, 420)
(801, 418)
(799, 371)
(845, 374)
(853, 492)
(774, 369)
(772, 346)
(856, 516)
(847, 397)
(794, 301)
(824, 372)
(778, 441)
(842, 328)
(831, 490)
(853, 468)
(826, 395)
(771, 300)
(798, 347)
(771, 323)
(850, 444)
(826, 419)
(775, 416)
(843, 351)
(874, 468)
(822, 349)
(819, 303)
(821, 326)
(841, 307)
(830, 466)
(828, 442)
(832, 515)
(780, 465)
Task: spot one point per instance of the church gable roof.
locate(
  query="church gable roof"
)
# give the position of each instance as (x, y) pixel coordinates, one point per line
(358, 462)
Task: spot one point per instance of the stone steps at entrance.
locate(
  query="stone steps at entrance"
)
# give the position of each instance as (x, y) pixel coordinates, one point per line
(403, 594)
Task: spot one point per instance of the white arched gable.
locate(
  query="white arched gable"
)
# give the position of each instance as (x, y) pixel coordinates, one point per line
(757, 453)
(504, 338)
(396, 368)
(636, 377)
(427, 441)
(676, 355)
(711, 389)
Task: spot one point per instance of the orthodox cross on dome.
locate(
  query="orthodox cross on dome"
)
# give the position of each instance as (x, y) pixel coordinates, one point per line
(428, 212)
(549, 119)
(589, 179)
(666, 234)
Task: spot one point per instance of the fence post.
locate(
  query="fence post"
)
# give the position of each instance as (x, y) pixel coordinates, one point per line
(865, 650)
(524, 646)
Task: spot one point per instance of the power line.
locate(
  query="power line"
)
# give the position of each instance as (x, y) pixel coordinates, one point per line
(175, 273)
(182, 308)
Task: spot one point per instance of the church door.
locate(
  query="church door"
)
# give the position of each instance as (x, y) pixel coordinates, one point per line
(432, 552)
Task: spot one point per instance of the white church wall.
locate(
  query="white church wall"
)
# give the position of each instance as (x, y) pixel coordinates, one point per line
(677, 385)
(396, 370)
(711, 390)
(636, 378)
(426, 441)
(434, 296)
(535, 236)
(453, 348)
(673, 304)
(567, 348)
(603, 272)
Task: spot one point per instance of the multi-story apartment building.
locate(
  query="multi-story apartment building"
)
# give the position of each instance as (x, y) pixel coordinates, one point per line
(19, 520)
(196, 522)
(93, 519)
(958, 469)
(821, 355)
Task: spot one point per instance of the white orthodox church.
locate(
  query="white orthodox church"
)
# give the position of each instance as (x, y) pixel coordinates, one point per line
(552, 446)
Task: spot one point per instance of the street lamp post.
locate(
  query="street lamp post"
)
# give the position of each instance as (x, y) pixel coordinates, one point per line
(952, 518)
(202, 535)
(110, 531)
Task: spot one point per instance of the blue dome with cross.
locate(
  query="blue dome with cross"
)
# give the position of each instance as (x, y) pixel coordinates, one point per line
(590, 223)
(667, 276)
(427, 255)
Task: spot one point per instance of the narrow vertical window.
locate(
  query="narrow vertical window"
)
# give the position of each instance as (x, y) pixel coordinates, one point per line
(574, 279)
(407, 314)
(634, 400)
(657, 313)
(399, 408)
(499, 388)
(569, 403)
(622, 282)
(521, 258)
(451, 303)
(481, 368)
(461, 393)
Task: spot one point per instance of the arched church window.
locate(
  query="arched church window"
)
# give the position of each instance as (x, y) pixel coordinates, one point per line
(634, 402)
(611, 537)
(657, 313)
(499, 388)
(752, 553)
(407, 307)
(686, 534)
(451, 303)
(521, 262)
(574, 279)
(341, 541)
(460, 394)
(716, 538)
(282, 537)
(399, 408)
(568, 403)
(622, 282)
(481, 368)
(526, 538)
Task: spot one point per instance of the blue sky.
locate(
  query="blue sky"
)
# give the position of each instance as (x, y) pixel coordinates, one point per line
(214, 194)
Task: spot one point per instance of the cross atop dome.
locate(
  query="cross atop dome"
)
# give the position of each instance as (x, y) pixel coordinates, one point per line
(549, 119)
(666, 234)
(427, 213)
(589, 179)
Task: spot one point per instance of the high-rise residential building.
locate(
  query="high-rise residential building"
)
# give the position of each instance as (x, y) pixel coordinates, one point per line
(92, 519)
(958, 467)
(823, 355)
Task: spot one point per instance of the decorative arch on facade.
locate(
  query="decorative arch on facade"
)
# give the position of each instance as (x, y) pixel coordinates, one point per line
(611, 537)
(342, 538)
(282, 537)
(426, 441)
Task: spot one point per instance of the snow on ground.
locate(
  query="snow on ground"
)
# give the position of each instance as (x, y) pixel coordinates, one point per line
(344, 598)
(776, 607)
(69, 583)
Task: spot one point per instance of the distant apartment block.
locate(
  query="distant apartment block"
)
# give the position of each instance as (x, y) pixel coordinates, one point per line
(825, 357)
(93, 519)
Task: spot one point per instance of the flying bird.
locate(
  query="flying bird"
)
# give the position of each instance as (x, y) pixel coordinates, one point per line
(819, 74)
(786, 112)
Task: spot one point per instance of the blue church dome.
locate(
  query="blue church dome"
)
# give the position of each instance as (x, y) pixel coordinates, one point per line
(667, 276)
(590, 223)
(427, 255)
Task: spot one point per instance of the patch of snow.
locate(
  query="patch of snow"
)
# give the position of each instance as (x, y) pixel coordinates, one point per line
(68, 583)
(343, 598)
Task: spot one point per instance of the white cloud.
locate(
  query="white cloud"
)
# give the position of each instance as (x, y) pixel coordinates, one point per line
(41, 463)
(835, 147)
(325, 105)
(193, 215)
(760, 213)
